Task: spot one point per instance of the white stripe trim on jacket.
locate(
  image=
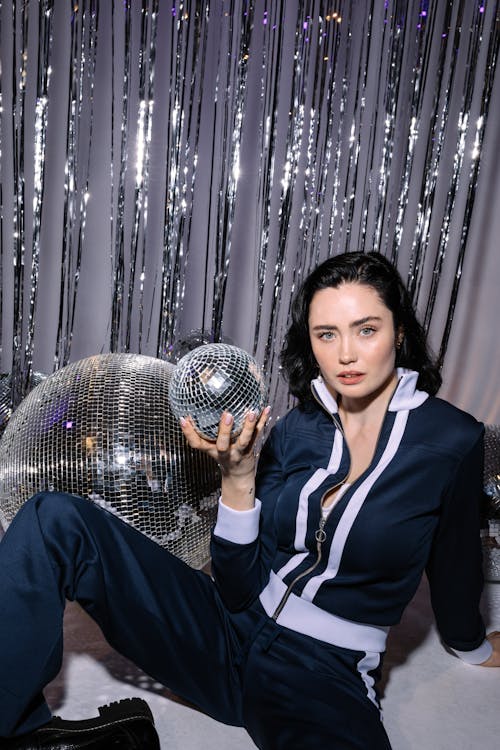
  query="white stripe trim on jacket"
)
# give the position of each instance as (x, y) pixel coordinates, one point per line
(308, 619)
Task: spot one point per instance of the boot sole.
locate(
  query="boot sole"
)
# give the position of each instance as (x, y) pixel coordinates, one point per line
(127, 709)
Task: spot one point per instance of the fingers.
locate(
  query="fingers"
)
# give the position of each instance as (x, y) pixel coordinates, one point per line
(193, 437)
(188, 430)
(252, 427)
(225, 443)
(247, 434)
(263, 419)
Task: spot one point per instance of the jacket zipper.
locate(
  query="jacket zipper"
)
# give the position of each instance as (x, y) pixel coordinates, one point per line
(320, 533)
(320, 536)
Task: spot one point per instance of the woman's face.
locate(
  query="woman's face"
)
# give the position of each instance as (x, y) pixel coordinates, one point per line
(353, 341)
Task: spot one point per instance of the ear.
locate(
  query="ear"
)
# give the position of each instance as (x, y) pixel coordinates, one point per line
(400, 334)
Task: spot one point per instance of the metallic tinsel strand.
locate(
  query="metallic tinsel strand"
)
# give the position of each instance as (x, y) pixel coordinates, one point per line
(1, 194)
(435, 151)
(40, 137)
(290, 171)
(270, 66)
(84, 32)
(118, 213)
(19, 73)
(426, 37)
(458, 162)
(336, 216)
(188, 45)
(421, 49)
(143, 148)
(88, 61)
(232, 115)
(491, 63)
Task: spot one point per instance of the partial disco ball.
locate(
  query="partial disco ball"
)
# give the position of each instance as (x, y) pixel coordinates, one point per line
(492, 468)
(189, 341)
(5, 399)
(214, 378)
(102, 428)
(6, 395)
(490, 532)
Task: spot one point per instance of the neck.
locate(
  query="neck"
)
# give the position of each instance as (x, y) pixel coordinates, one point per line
(373, 407)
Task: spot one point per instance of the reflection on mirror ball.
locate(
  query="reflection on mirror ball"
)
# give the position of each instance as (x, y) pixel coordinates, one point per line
(6, 395)
(214, 378)
(490, 532)
(103, 428)
(5, 402)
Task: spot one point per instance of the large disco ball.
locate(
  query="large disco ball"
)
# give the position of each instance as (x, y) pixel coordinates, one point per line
(214, 378)
(102, 428)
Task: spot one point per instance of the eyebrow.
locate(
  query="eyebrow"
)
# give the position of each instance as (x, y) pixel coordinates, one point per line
(354, 324)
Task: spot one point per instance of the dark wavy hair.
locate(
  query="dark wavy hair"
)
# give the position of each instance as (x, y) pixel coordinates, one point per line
(373, 270)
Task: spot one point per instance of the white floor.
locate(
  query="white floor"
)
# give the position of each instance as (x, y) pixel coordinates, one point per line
(432, 701)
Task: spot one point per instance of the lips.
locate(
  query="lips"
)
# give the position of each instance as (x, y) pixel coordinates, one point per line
(350, 377)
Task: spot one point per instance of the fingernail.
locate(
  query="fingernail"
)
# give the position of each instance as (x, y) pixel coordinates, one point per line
(251, 416)
(228, 418)
(183, 422)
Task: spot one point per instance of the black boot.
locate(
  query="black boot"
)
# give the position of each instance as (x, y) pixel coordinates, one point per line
(126, 725)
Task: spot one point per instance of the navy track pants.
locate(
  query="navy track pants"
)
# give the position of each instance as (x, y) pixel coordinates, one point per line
(288, 690)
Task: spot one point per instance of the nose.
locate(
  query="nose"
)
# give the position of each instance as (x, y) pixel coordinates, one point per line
(347, 351)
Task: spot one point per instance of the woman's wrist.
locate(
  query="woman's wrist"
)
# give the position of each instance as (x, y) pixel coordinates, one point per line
(238, 492)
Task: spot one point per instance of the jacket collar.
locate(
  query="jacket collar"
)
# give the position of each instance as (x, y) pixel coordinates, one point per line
(406, 396)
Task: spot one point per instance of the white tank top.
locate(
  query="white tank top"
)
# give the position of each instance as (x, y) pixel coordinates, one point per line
(325, 509)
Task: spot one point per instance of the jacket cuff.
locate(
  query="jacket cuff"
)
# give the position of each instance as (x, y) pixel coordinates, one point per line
(477, 655)
(238, 526)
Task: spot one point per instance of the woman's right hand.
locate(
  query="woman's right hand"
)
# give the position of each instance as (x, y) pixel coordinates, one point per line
(235, 457)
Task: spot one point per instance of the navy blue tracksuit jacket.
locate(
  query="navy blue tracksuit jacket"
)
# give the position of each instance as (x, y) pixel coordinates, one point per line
(416, 507)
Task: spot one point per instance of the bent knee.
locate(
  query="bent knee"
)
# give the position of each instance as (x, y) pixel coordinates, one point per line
(47, 505)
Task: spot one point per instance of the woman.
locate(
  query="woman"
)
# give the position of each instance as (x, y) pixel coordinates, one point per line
(368, 482)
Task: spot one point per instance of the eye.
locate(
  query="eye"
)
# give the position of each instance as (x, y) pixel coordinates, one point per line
(367, 330)
(326, 336)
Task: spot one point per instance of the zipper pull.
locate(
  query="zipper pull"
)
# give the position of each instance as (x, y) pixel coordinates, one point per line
(320, 534)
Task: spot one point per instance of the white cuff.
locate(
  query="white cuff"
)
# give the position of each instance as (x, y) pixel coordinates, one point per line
(238, 526)
(477, 655)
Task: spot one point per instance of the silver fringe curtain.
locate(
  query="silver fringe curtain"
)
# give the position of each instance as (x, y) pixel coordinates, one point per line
(173, 170)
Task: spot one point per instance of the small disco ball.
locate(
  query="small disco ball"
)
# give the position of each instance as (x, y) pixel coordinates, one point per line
(102, 428)
(214, 378)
